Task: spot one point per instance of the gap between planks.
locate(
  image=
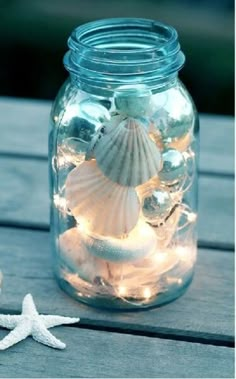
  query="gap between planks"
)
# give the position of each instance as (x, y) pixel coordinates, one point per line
(204, 312)
(162, 333)
(97, 354)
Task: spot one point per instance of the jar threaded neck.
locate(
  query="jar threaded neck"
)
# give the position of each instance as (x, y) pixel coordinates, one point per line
(108, 53)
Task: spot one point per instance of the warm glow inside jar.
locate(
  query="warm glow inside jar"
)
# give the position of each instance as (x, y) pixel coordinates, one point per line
(122, 148)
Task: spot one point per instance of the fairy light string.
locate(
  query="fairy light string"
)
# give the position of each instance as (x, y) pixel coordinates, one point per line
(135, 281)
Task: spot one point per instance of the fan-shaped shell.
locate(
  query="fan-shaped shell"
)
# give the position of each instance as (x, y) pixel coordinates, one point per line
(140, 242)
(103, 207)
(127, 155)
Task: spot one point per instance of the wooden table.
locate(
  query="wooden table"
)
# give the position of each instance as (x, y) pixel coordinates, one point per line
(189, 338)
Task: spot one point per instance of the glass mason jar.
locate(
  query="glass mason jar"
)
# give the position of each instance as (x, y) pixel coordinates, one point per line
(122, 151)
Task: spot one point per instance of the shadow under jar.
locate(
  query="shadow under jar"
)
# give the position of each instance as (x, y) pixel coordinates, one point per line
(123, 183)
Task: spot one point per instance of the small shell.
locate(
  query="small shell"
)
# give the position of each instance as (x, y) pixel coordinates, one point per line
(127, 155)
(140, 242)
(77, 257)
(103, 207)
(133, 101)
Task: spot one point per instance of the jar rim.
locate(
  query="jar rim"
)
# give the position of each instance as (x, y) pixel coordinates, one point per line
(111, 52)
(80, 35)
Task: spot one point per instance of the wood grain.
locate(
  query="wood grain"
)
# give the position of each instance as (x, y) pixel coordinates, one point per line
(205, 311)
(24, 201)
(97, 354)
(24, 129)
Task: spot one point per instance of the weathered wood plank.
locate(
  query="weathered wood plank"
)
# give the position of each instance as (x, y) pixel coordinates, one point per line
(206, 308)
(216, 214)
(97, 354)
(25, 201)
(24, 128)
(216, 144)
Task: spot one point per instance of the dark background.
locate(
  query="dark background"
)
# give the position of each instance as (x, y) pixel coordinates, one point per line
(34, 34)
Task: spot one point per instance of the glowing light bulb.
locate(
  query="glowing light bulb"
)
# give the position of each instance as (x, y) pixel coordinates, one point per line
(182, 251)
(188, 154)
(192, 217)
(171, 280)
(147, 293)
(62, 160)
(82, 225)
(60, 203)
(122, 291)
(160, 257)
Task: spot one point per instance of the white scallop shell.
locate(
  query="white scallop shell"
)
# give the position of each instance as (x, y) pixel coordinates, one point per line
(140, 242)
(103, 207)
(127, 155)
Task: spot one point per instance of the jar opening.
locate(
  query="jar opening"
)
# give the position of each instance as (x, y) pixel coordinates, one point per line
(125, 35)
(124, 51)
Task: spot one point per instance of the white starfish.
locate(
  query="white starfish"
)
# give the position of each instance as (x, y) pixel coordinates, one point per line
(30, 323)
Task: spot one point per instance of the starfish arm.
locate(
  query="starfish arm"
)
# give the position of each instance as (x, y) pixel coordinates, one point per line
(21, 331)
(42, 335)
(51, 321)
(28, 306)
(9, 321)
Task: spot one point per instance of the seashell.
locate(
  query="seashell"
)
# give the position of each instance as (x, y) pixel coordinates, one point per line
(127, 155)
(133, 101)
(140, 242)
(107, 125)
(103, 207)
(78, 259)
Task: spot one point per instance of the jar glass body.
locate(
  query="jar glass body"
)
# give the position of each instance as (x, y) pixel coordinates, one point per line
(123, 190)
